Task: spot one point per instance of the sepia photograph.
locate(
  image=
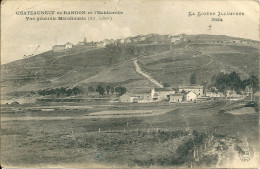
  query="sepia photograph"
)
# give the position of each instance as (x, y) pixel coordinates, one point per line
(130, 84)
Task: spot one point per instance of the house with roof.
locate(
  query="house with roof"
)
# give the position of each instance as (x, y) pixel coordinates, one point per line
(101, 44)
(137, 97)
(161, 93)
(68, 45)
(190, 96)
(214, 94)
(121, 41)
(128, 40)
(197, 89)
(128, 97)
(175, 98)
(232, 94)
(62, 48)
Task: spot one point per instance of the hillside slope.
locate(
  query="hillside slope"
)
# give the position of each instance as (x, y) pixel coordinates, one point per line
(71, 68)
(204, 55)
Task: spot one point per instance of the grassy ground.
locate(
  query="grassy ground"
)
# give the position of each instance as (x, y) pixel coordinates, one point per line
(176, 67)
(67, 142)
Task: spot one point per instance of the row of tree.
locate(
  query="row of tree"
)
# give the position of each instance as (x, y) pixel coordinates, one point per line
(60, 91)
(120, 90)
(233, 81)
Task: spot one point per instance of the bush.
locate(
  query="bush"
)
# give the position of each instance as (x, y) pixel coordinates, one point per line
(60, 91)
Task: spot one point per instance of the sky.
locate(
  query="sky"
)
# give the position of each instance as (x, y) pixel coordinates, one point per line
(20, 37)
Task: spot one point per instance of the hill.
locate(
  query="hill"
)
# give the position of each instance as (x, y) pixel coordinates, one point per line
(171, 63)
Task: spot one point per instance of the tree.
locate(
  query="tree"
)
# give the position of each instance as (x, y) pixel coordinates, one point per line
(253, 82)
(204, 84)
(120, 90)
(76, 91)
(100, 90)
(222, 82)
(231, 81)
(112, 90)
(166, 85)
(108, 89)
(91, 89)
(193, 78)
(235, 81)
(85, 41)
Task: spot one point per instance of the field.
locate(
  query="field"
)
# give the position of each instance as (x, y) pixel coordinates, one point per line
(66, 136)
(176, 66)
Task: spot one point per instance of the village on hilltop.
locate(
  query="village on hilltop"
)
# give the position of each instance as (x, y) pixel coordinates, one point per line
(149, 39)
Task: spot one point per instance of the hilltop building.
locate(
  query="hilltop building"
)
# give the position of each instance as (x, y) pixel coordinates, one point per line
(177, 39)
(62, 48)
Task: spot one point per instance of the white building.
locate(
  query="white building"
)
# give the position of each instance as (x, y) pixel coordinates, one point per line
(197, 89)
(190, 97)
(128, 97)
(101, 44)
(68, 45)
(175, 98)
(136, 98)
(233, 94)
(122, 41)
(62, 48)
(214, 94)
(175, 39)
(161, 93)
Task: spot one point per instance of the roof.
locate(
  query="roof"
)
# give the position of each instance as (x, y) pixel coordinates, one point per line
(190, 92)
(163, 89)
(191, 87)
(177, 94)
(59, 46)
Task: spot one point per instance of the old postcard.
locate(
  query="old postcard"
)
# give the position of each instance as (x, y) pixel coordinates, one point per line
(130, 84)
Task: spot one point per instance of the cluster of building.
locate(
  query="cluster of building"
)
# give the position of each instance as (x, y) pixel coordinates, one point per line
(179, 94)
(237, 42)
(177, 39)
(146, 39)
(187, 93)
(62, 48)
(226, 41)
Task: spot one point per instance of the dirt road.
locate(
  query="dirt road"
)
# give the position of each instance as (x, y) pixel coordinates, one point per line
(138, 70)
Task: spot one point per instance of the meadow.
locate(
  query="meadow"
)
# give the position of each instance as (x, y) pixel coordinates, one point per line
(125, 141)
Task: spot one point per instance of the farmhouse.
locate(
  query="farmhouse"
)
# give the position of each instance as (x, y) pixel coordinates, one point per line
(128, 40)
(174, 98)
(136, 98)
(190, 96)
(68, 45)
(101, 44)
(214, 94)
(81, 43)
(232, 94)
(161, 93)
(128, 97)
(62, 48)
(122, 41)
(197, 89)
(175, 39)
